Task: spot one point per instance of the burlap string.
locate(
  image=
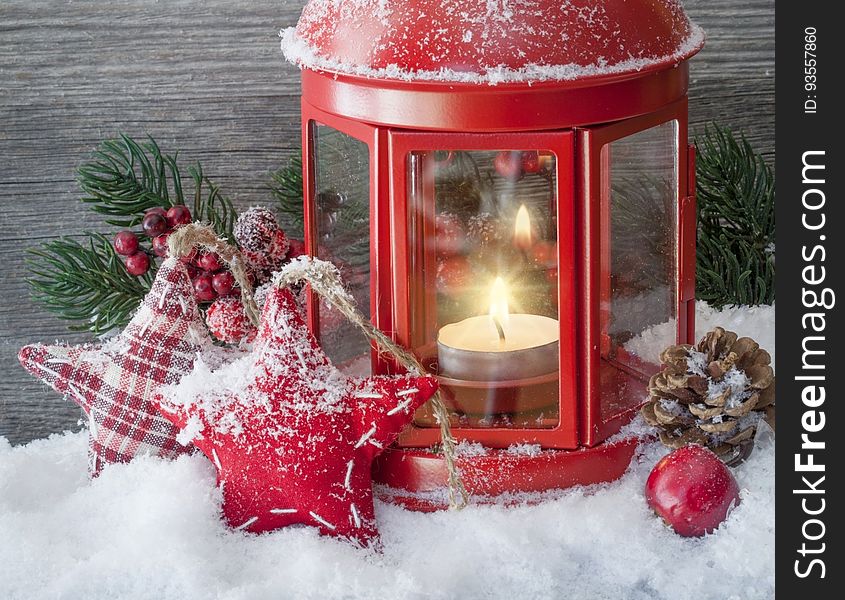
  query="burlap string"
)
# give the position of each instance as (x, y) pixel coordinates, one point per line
(325, 280)
(194, 235)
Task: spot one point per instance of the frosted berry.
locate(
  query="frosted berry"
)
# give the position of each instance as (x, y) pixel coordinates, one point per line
(160, 247)
(531, 162)
(508, 164)
(138, 263)
(227, 321)
(262, 242)
(449, 233)
(154, 224)
(178, 215)
(223, 283)
(209, 261)
(126, 243)
(203, 288)
(692, 490)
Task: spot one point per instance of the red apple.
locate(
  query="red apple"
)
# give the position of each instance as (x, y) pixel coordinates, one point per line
(692, 490)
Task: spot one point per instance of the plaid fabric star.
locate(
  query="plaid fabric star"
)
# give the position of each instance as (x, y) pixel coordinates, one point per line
(113, 382)
(293, 439)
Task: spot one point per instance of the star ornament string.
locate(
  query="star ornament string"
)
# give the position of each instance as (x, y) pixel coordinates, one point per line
(324, 279)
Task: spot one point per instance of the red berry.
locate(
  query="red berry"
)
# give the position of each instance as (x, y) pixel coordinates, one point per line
(297, 248)
(178, 215)
(157, 210)
(692, 490)
(160, 247)
(203, 288)
(209, 261)
(193, 271)
(223, 283)
(531, 162)
(126, 243)
(138, 263)
(508, 164)
(154, 224)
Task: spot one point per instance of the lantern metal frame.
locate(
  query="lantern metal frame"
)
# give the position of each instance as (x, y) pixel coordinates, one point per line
(574, 120)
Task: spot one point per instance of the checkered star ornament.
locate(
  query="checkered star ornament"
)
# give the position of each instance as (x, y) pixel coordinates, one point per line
(114, 382)
(292, 438)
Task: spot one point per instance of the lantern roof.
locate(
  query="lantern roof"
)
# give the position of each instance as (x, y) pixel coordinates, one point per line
(491, 41)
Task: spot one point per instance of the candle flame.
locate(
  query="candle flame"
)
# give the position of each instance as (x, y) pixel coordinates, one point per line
(522, 228)
(499, 300)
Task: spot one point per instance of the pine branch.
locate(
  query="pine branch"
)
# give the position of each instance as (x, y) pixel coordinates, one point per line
(86, 283)
(286, 186)
(126, 178)
(736, 221)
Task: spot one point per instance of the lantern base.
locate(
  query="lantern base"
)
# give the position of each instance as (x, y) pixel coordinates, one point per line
(417, 479)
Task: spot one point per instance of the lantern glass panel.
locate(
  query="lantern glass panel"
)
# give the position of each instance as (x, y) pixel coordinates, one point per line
(341, 208)
(639, 248)
(483, 295)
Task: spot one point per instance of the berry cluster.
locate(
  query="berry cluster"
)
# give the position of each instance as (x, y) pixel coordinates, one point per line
(207, 273)
(265, 249)
(157, 225)
(513, 165)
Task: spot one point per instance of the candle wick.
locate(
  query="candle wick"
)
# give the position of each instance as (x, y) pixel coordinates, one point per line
(499, 328)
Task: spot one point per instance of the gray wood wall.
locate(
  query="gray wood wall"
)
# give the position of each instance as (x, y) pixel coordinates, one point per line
(207, 78)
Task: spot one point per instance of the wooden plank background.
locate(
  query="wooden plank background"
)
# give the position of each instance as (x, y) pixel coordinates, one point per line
(207, 78)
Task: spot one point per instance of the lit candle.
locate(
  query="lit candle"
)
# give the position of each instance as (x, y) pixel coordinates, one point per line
(522, 229)
(499, 346)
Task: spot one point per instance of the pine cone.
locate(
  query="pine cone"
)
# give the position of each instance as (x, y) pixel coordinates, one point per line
(713, 394)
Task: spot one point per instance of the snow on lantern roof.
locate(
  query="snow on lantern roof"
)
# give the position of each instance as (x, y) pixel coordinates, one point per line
(491, 41)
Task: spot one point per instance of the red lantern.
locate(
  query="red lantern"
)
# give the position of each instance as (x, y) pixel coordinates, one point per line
(509, 191)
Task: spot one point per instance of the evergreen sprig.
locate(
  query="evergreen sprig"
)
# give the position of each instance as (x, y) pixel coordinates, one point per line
(736, 221)
(286, 186)
(125, 178)
(86, 283)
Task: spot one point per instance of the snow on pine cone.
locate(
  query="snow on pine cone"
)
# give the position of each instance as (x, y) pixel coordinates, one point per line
(262, 241)
(227, 321)
(713, 394)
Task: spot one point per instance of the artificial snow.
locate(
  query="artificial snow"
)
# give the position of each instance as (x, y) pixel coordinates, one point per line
(152, 529)
(304, 55)
(757, 322)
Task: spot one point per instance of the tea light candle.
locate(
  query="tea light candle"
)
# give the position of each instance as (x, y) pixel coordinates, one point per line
(499, 346)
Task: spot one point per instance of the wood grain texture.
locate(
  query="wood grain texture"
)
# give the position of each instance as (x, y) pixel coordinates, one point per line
(207, 78)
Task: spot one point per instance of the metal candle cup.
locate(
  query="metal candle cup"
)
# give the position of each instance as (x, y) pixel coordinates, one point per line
(471, 350)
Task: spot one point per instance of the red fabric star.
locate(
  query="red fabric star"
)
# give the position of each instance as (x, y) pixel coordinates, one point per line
(294, 442)
(113, 382)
